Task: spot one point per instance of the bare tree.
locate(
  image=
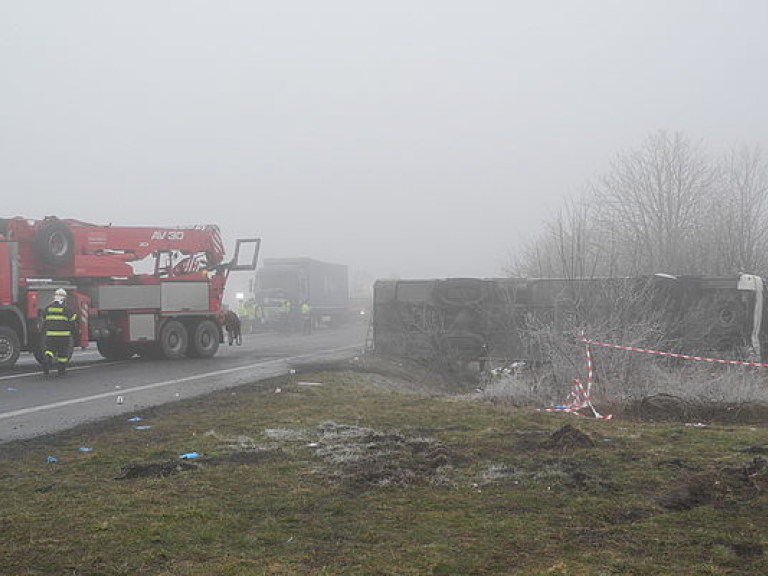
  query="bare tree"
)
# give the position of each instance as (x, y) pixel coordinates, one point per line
(739, 214)
(571, 246)
(652, 199)
(664, 207)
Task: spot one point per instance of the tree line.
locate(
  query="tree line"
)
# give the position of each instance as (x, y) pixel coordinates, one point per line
(668, 206)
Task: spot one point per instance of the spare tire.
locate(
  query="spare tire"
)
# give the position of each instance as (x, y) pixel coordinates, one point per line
(55, 243)
(729, 314)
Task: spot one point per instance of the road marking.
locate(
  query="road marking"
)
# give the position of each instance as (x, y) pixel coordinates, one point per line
(125, 391)
(39, 371)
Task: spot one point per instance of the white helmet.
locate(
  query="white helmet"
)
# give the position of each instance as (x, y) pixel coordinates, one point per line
(60, 293)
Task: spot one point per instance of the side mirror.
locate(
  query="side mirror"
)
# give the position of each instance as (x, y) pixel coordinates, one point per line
(246, 254)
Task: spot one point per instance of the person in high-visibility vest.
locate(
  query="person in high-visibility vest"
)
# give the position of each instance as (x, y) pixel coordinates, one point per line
(287, 312)
(306, 316)
(59, 327)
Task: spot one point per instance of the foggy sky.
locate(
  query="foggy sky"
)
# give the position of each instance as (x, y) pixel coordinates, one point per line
(420, 138)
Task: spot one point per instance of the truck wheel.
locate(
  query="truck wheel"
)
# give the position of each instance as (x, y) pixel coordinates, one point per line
(150, 351)
(10, 347)
(205, 340)
(55, 243)
(114, 350)
(174, 339)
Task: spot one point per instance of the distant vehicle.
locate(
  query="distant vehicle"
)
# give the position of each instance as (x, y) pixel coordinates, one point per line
(282, 285)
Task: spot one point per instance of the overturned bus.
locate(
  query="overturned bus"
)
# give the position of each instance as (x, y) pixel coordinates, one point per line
(470, 319)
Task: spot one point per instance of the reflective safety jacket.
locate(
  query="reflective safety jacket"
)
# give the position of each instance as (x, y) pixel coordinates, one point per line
(59, 320)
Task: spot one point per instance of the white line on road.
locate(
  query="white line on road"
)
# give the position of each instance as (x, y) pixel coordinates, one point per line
(125, 391)
(39, 372)
(122, 392)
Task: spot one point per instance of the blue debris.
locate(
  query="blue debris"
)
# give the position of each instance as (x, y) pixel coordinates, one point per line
(85, 449)
(52, 460)
(189, 456)
(135, 419)
(142, 427)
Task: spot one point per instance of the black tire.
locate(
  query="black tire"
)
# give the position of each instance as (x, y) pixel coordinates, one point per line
(729, 315)
(150, 351)
(10, 347)
(174, 340)
(114, 350)
(204, 340)
(55, 243)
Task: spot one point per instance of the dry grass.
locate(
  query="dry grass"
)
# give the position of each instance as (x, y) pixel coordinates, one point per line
(351, 473)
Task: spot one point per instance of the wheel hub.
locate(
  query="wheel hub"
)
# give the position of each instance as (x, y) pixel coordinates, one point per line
(5, 349)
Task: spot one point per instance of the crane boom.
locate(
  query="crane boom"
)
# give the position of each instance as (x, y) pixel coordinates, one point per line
(71, 248)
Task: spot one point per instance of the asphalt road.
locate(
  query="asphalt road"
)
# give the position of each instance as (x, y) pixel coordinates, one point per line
(93, 388)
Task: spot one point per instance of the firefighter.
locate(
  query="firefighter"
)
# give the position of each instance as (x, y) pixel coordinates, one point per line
(59, 328)
(233, 327)
(245, 311)
(258, 318)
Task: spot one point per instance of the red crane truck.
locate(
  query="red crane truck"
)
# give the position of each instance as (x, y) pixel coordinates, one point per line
(137, 290)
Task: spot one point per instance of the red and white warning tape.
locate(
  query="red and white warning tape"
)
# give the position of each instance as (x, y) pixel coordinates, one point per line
(673, 355)
(581, 397)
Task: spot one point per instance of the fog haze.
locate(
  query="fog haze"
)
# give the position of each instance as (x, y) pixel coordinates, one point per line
(413, 139)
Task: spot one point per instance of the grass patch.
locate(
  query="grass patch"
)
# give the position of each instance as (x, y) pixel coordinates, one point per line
(337, 474)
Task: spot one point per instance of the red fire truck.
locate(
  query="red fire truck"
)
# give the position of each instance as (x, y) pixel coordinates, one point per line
(137, 290)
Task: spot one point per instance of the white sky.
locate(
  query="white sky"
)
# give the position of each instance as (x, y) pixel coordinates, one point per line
(422, 138)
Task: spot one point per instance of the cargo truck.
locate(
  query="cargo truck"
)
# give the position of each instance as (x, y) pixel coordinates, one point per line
(283, 285)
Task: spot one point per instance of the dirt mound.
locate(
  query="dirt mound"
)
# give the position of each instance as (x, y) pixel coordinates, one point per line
(729, 484)
(568, 438)
(670, 408)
